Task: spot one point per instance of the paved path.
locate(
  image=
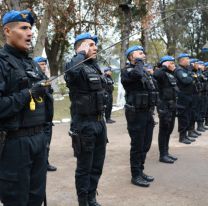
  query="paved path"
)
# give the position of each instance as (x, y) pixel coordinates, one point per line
(184, 183)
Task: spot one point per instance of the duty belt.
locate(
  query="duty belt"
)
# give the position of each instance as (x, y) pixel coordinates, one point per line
(25, 132)
(90, 117)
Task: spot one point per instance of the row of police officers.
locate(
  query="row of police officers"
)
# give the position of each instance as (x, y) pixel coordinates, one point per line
(27, 105)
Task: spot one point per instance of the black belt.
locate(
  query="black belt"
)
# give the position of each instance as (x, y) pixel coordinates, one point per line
(89, 117)
(30, 131)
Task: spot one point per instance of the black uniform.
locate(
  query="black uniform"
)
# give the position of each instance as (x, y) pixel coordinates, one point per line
(109, 89)
(203, 101)
(166, 107)
(48, 126)
(140, 99)
(206, 88)
(23, 160)
(185, 83)
(196, 101)
(88, 129)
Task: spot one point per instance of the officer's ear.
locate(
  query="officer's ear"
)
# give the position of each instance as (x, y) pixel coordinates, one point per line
(77, 45)
(130, 57)
(8, 28)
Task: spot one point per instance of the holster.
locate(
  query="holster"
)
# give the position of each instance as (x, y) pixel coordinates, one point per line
(76, 142)
(3, 135)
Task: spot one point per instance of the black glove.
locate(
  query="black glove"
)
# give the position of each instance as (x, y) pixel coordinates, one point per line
(38, 90)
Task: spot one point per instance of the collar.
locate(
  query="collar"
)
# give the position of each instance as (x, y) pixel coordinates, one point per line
(15, 52)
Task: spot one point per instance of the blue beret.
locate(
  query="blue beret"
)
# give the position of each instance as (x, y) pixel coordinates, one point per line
(192, 61)
(206, 64)
(183, 55)
(107, 69)
(86, 36)
(18, 16)
(132, 49)
(201, 62)
(40, 59)
(166, 59)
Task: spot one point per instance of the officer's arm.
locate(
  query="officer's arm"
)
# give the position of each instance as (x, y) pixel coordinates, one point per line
(134, 74)
(12, 103)
(71, 68)
(159, 75)
(183, 77)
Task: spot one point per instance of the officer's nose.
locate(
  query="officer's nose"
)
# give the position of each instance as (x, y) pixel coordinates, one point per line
(95, 48)
(29, 32)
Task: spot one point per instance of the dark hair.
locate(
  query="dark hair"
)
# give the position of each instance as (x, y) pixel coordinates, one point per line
(78, 44)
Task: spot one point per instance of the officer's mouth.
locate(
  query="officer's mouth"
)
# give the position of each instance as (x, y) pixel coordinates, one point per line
(28, 42)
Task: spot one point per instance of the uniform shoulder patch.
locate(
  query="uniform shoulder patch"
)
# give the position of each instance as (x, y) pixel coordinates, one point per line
(184, 74)
(129, 69)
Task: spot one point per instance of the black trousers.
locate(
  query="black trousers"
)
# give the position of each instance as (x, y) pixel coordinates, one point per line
(184, 105)
(90, 162)
(109, 105)
(140, 126)
(203, 108)
(48, 128)
(166, 126)
(23, 171)
(195, 112)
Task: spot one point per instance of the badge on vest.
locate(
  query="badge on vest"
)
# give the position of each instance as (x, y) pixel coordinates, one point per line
(129, 69)
(184, 74)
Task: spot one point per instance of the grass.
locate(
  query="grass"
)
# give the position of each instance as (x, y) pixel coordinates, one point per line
(61, 109)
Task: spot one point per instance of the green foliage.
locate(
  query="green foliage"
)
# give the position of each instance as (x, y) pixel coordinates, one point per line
(62, 88)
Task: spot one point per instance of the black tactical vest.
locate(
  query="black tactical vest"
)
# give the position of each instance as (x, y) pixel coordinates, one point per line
(169, 92)
(87, 96)
(146, 94)
(19, 76)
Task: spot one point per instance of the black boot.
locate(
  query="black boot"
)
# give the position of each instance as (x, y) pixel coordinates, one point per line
(92, 200)
(192, 134)
(110, 121)
(83, 201)
(174, 158)
(184, 140)
(166, 159)
(205, 127)
(51, 168)
(148, 178)
(191, 139)
(139, 181)
(206, 121)
(200, 127)
(196, 132)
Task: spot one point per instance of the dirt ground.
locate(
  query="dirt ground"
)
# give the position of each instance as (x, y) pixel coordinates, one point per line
(184, 183)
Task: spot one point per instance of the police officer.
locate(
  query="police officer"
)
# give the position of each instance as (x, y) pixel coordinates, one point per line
(195, 109)
(88, 130)
(185, 83)
(166, 106)
(206, 75)
(22, 117)
(203, 98)
(41, 71)
(109, 89)
(140, 98)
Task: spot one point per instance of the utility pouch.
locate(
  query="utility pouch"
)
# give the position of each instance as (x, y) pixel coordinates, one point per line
(100, 101)
(82, 103)
(153, 98)
(24, 83)
(94, 82)
(76, 142)
(141, 101)
(2, 142)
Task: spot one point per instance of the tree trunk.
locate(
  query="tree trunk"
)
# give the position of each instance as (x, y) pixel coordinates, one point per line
(42, 32)
(125, 22)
